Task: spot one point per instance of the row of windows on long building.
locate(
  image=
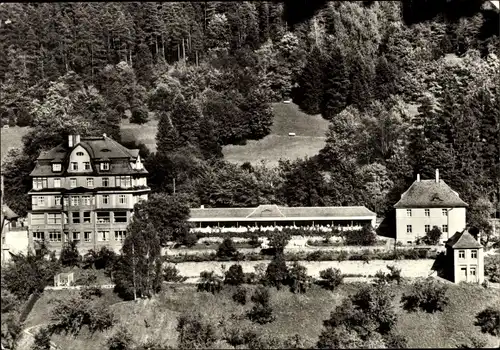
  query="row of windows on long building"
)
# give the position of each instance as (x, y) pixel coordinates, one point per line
(42, 201)
(427, 212)
(77, 217)
(427, 228)
(90, 182)
(57, 236)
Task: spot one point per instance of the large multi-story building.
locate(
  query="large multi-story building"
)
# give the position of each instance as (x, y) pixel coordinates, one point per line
(429, 203)
(85, 190)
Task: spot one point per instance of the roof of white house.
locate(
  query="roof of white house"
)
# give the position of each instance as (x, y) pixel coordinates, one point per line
(273, 211)
(463, 240)
(430, 194)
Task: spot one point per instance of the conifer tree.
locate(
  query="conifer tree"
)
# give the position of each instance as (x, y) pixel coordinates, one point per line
(336, 85)
(310, 92)
(167, 138)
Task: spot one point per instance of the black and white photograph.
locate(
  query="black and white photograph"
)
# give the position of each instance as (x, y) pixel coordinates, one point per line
(296, 174)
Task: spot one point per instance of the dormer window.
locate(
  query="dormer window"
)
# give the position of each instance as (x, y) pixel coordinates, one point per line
(56, 167)
(105, 166)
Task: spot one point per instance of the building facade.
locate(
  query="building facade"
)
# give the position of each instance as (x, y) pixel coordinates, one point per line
(429, 203)
(466, 258)
(271, 216)
(85, 190)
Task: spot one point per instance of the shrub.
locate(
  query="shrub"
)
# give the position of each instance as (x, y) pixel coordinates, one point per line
(365, 237)
(394, 275)
(90, 291)
(396, 341)
(295, 342)
(227, 250)
(279, 240)
(171, 274)
(240, 296)
(234, 336)
(41, 339)
(492, 268)
(298, 279)
(331, 278)
(277, 272)
(102, 259)
(195, 332)
(209, 282)
(234, 276)
(87, 278)
(69, 316)
(189, 239)
(489, 321)
(343, 256)
(69, 254)
(261, 312)
(139, 115)
(120, 340)
(427, 295)
(254, 241)
(251, 278)
(433, 236)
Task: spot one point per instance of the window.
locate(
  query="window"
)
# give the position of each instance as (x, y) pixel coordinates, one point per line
(39, 182)
(75, 217)
(408, 229)
(105, 182)
(461, 254)
(105, 166)
(86, 165)
(120, 235)
(37, 219)
(408, 212)
(65, 202)
(57, 200)
(427, 212)
(72, 182)
(54, 218)
(124, 180)
(86, 217)
(105, 199)
(38, 236)
(55, 236)
(79, 154)
(445, 212)
(56, 167)
(87, 236)
(41, 201)
(103, 236)
(75, 200)
(90, 182)
(473, 254)
(76, 236)
(472, 270)
(57, 182)
(86, 200)
(122, 199)
(445, 228)
(120, 216)
(74, 166)
(103, 217)
(427, 228)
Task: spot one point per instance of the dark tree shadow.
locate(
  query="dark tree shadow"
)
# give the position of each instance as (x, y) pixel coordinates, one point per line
(443, 265)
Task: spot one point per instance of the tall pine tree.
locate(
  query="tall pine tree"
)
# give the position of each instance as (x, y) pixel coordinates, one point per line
(309, 93)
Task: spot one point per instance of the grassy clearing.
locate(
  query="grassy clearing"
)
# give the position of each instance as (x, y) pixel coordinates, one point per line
(294, 313)
(11, 138)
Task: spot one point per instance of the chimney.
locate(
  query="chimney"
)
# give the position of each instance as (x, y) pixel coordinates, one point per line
(437, 175)
(202, 206)
(418, 177)
(103, 135)
(70, 141)
(77, 139)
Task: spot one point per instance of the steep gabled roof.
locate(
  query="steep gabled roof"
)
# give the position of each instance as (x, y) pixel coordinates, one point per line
(463, 240)
(430, 194)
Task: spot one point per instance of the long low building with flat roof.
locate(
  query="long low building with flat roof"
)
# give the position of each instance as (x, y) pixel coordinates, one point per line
(274, 215)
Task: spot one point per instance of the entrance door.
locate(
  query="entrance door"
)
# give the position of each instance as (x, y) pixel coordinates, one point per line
(463, 274)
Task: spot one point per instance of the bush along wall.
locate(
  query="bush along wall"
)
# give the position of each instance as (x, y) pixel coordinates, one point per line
(407, 254)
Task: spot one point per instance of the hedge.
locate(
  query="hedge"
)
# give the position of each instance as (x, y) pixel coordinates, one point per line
(319, 255)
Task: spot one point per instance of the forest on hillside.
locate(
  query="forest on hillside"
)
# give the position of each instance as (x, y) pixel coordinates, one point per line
(208, 72)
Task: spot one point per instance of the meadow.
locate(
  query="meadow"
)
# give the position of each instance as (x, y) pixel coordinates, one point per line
(295, 313)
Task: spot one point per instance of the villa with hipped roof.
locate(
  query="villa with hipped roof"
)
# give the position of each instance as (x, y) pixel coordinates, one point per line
(85, 190)
(429, 203)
